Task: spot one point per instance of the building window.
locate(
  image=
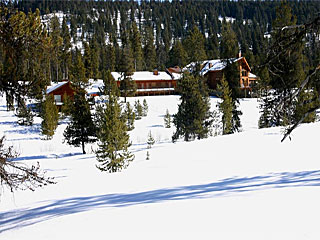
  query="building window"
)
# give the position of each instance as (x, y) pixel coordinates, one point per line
(244, 73)
(57, 98)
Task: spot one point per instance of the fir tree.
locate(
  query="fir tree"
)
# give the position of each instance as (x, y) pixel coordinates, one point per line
(167, 119)
(24, 115)
(178, 55)
(193, 119)
(148, 156)
(194, 45)
(130, 116)
(66, 50)
(225, 107)
(66, 108)
(112, 153)
(81, 129)
(145, 108)
(138, 109)
(149, 50)
(127, 85)
(78, 76)
(50, 117)
(136, 45)
(150, 140)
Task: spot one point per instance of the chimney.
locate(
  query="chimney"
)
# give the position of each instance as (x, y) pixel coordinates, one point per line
(155, 72)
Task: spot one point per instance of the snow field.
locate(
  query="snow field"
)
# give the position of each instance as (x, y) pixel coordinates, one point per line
(242, 186)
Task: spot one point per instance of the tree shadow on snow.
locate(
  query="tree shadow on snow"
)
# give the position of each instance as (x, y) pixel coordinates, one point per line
(226, 187)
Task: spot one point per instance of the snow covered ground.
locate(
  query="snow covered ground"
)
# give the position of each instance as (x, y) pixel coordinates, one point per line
(244, 186)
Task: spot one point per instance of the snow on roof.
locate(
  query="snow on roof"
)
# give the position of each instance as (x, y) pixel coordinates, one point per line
(251, 75)
(94, 86)
(144, 76)
(55, 86)
(210, 65)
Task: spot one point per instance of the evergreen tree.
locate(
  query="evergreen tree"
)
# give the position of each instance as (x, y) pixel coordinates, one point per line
(50, 117)
(149, 50)
(178, 55)
(145, 108)
(66, 108)
(127, 85)
(167, 120)
(194, 45)
(193, 119)
(24, 115)
(81, 129)
(286, 68)
(148, 156)
(56, 41)
(136, 45)
(150, 140)
(138, 109)
(225, 107)
(112, 153)
(78, 76)
(130, 116)
(66, 50)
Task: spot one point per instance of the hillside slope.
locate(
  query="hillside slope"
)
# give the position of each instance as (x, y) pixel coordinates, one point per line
(241, 186)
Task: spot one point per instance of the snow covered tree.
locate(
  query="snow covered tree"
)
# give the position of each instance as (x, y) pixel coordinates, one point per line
(18, 176)
(193, 119)
(50, 117)
(167, 119)
(144, 108)
(150, 140)
(112, 153)
(81, 129)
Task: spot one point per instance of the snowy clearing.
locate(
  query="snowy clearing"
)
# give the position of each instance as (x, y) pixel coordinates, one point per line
(243, 186)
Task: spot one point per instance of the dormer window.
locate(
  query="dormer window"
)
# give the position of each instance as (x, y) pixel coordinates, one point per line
(244, 73)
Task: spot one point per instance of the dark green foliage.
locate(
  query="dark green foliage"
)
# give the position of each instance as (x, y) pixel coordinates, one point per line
(129, 115)
(150, 140)
(194, 45)
(148, 156)
(23, 55)
(226, 107)
(145, 108)
(167, 120)
(193, 119)
(66, 108)
(78, 76)
(24, 115)
(149, 50)
(81, 129)
(178, 55)
(127, 85)
(138, 109)
(136, 45)
(50, 117)
(112, 153)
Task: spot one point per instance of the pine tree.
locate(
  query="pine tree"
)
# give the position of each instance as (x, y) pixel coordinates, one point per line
(167, 120)
(56, 41)
(50, 117)
(285, 66)
(136, 45)
(149, 50)
(138, 109)
(145, 108)
(194, 45)
(78, 76)
(225, 107)
(66, 50)
(148, 156)
(66, 108)
(178, 55)
(112, 153)
(24, 115)
(130, 116)
(193, 119)
(150, 140)
(81, 129)
(127, 85)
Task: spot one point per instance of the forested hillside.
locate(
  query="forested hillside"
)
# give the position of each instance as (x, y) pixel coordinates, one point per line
(108, 26)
